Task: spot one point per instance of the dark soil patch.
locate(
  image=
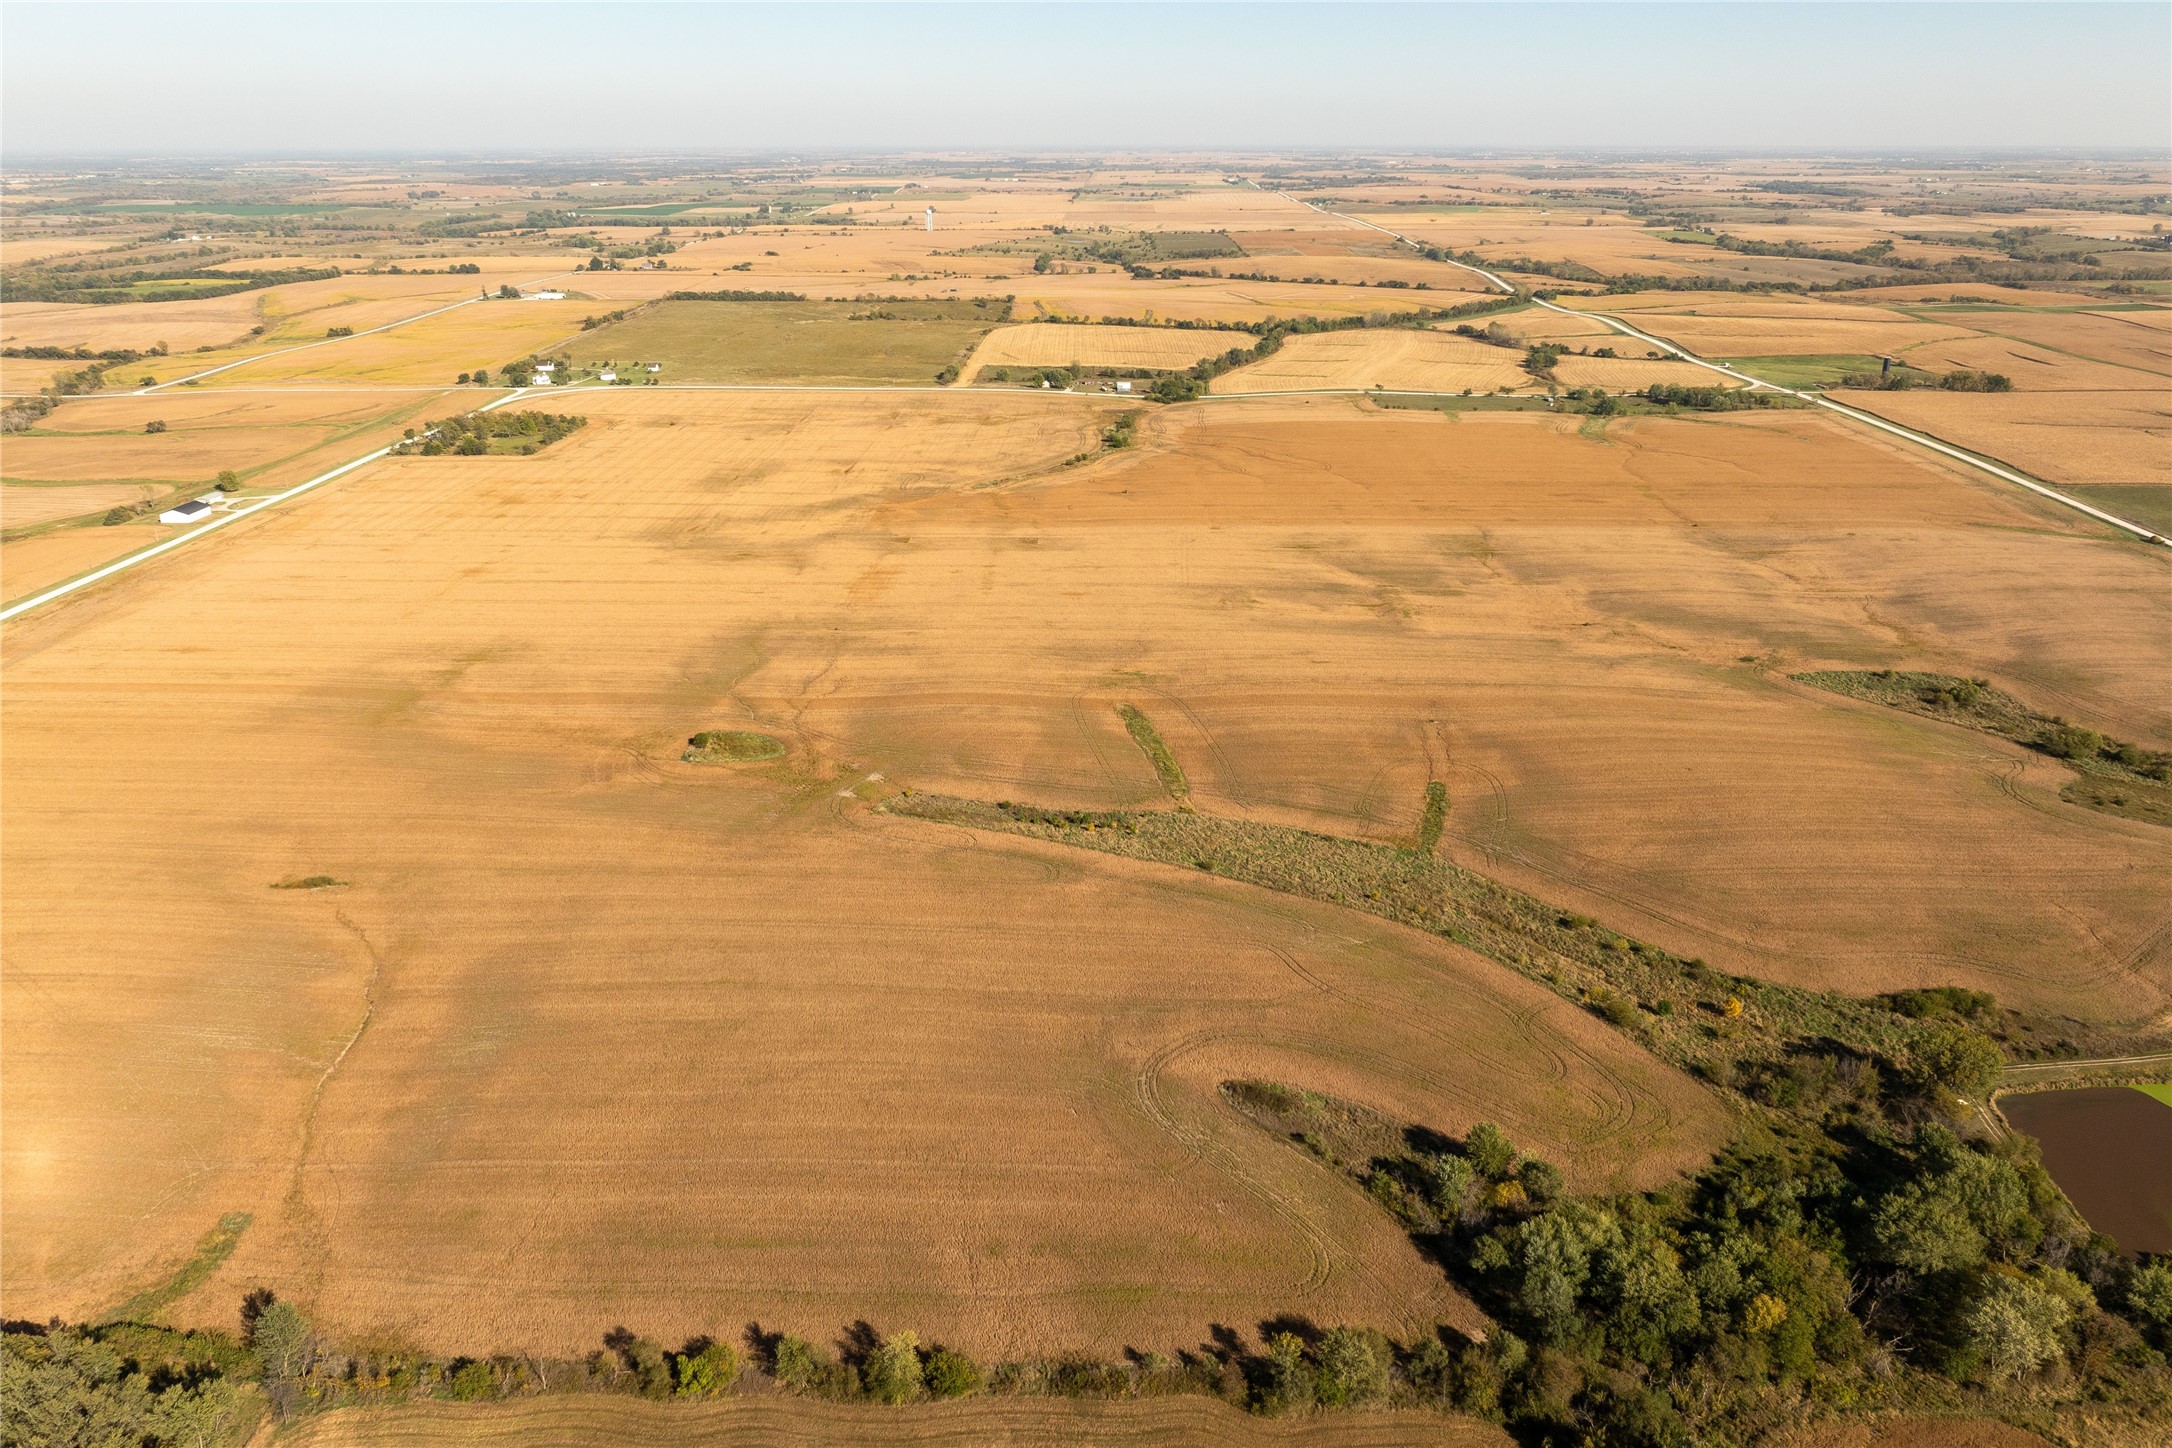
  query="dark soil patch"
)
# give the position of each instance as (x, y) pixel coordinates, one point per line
(2110, 1149)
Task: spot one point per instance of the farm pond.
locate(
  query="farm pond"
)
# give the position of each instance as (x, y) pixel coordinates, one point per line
(2110, 1149)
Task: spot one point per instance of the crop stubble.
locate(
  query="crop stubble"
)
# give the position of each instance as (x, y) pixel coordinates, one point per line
(621, 1039)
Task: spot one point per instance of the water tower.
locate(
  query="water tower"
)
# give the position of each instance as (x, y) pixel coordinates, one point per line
(927, 219)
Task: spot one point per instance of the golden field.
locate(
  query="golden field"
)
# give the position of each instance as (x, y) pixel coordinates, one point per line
(659, 493)
(589, 1035)
(23, 505)
(41, 560)
(1059, 344)
(2065, 437)
(269, 438)
(419, 958)
(1399, 360)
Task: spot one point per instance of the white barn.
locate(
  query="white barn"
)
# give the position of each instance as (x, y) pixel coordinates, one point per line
(194, 510)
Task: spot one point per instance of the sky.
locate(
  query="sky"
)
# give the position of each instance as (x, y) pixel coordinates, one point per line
(515, 79)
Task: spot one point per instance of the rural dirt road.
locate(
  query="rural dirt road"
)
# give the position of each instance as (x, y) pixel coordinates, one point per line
(62, 590)
(2160, 1058)
(1921, 439)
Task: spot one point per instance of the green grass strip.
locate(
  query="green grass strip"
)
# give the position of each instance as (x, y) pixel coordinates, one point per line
(1166, 768)
(1704, 1020)
(2159, 1091)
(1436, 817)
(217, 1245)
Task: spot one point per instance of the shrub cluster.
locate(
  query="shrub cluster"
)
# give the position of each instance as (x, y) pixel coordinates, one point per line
(475, 433)
(1796, 1267)
(1903, 379)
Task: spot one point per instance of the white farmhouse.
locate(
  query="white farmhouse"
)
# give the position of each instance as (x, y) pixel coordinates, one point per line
(541, 379)
(544, 297)
(656, 367)
(607, 375)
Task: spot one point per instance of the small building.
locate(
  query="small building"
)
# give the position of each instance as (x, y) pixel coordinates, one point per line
(607, 375)
(193, 511)
(656, 367)
(541, 379)
(1123, 387)
(544, 297)
(546, 366)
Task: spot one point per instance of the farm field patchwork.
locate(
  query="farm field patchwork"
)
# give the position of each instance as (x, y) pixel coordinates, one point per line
(826, 848)
(1120, 1063)
(268, 439)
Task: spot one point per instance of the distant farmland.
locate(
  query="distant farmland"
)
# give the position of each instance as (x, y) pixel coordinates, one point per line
(886, 343)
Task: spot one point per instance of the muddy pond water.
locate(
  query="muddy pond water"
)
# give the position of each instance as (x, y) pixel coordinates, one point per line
(2110, 1149)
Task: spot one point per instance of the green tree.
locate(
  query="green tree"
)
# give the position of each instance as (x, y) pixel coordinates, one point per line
(1960, 1206)
(1952, 1058)
(229, 481)
(281, 1339)
(793, 1363)
(711, 1369)
(471, 1382)
(2149, 1297)
(1043, 262)
(1288, 1381)
(893, 1373)
(952, 1374)
(1489, 1151)
(2015, 1326)
(1352, 1369)
(1450, 1187)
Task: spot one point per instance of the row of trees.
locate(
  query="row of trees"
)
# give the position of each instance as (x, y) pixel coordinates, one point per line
(475, 433)
(1902, 379)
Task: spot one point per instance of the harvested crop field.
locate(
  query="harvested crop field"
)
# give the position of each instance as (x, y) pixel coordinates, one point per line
(431, 350)
(1062, 344)
(594, 1035)
(818, 978)
(40, 561)
(267, 438)
(1400, 359)
(2062, 437)
(607, 1421)
(22, 506)
(134, 325)
(1087, 297)
(1903, 1432)
(1632, 373)
(1789, 335)
(836, 343)
(2138, 341)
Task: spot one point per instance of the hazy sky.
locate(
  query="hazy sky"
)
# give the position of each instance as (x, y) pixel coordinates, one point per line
(321, 79)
